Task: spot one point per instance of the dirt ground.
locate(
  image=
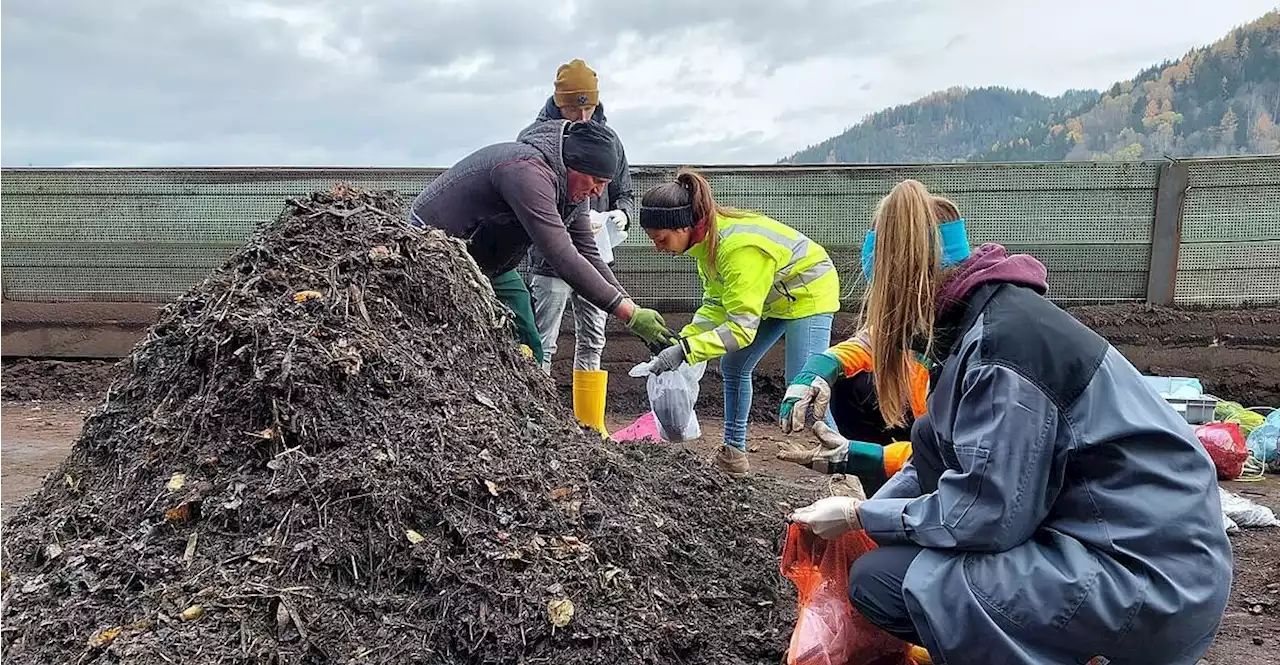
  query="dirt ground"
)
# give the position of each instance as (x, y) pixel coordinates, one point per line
(1236, 354)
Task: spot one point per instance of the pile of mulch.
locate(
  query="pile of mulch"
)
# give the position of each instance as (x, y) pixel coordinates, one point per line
(373, 473)
(26, 379)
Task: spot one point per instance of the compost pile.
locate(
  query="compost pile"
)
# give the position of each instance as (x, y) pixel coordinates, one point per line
(332, 450)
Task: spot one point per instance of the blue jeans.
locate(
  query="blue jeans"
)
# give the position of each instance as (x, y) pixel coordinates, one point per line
(805, 337)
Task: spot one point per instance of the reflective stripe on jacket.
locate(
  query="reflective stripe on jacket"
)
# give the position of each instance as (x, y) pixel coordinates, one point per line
(764, 269)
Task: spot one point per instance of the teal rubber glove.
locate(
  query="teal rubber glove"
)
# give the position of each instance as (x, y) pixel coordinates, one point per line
(809, 392)
(649, 326)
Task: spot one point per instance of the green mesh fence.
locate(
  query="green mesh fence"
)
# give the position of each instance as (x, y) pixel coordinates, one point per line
(149, 234)
(1230, 251)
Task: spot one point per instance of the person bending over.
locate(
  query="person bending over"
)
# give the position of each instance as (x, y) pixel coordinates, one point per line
(506, 197)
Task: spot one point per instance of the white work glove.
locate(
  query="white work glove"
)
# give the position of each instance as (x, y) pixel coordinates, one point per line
(598, 220)
(667, 359)
(618, 218)
(831, 517)
(831, 448)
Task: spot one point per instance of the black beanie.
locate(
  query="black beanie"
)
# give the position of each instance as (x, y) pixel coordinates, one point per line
(591, 148)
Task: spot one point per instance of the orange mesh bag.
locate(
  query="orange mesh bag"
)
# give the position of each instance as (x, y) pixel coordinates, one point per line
(829, 631)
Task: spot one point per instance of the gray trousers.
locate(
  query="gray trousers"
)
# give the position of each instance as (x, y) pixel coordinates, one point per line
(550, 297)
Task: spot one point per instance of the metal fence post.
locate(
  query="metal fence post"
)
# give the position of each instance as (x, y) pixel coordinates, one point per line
(1166, 233)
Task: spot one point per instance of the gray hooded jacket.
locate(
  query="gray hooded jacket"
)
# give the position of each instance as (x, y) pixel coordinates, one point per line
(1077, 517)
(506, 197)
(617, 196)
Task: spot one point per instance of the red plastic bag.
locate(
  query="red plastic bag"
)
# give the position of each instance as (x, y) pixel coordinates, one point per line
(1226, 447)
(829, 631)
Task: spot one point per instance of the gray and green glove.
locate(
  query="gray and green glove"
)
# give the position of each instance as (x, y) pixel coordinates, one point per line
(669, 358)
(836, 454)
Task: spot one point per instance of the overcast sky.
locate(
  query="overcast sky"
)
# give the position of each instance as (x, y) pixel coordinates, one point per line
(422, 83)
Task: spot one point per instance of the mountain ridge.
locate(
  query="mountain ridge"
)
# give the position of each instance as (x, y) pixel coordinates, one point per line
(1220, 99)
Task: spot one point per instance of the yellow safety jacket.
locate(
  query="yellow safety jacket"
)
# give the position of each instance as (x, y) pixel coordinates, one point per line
(764, 270)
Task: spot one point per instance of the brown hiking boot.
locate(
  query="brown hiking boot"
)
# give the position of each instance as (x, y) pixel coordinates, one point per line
(733, 461)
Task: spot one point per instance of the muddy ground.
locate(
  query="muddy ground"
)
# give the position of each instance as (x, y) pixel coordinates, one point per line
(1236, 354)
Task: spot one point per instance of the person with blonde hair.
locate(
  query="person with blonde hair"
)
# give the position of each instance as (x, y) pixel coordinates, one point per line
(762, 280)
(1055, 509)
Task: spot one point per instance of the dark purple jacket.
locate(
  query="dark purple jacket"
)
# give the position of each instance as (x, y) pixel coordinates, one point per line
(506, 197)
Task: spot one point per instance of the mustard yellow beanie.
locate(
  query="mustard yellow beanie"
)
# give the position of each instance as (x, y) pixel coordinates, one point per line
(576, 85)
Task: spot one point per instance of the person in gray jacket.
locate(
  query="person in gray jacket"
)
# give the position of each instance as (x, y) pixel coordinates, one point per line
(577, 97)
(506, 197)
(1055, 508)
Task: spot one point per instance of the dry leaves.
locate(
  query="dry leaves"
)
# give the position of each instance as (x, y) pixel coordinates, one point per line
(560, 612)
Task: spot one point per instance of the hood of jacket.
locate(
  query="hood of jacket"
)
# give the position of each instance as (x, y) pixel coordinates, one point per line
(552, 112)
(990, 263)
(548, 139)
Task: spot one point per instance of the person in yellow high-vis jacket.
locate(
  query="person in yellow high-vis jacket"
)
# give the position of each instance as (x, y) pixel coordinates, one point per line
(762, 280)
(840, 383)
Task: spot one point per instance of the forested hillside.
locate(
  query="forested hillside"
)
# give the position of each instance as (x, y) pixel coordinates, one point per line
(1223, 99)
(952, 125)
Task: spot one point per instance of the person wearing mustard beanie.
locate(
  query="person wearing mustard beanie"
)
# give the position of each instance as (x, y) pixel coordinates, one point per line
(577, 90)
(576, 97)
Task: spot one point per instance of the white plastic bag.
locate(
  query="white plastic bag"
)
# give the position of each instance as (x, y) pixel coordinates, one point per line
(1243, 512)
(672, 396)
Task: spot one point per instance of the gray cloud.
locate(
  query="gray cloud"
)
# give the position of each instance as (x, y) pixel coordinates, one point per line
(408, 82)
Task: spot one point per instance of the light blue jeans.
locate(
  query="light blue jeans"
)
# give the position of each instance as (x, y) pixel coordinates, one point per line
(805, 338)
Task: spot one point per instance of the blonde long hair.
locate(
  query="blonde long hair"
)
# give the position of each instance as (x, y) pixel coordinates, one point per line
(899, 305)
(692, 188)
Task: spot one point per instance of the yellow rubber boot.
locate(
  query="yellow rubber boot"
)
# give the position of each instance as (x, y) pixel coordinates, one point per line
(590, 387)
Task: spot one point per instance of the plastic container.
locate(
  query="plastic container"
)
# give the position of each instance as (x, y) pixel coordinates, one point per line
(1175, 386)
(1195, 410)
(1186, 396)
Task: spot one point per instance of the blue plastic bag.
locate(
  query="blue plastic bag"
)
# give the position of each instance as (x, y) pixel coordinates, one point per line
(1264, 440)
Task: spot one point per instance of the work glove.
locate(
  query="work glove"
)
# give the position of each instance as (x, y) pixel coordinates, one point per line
(835, 454)
(668, 359)
(618, 218)
(831, 517)
(648, 325)
(809, 392)
(598, 220)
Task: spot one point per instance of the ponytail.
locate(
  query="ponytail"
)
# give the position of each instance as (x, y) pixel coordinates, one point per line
(705, 209)
(899, 306)
(689, 189)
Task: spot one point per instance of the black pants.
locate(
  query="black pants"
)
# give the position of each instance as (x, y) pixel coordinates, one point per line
(876, 578)
(856, 411)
